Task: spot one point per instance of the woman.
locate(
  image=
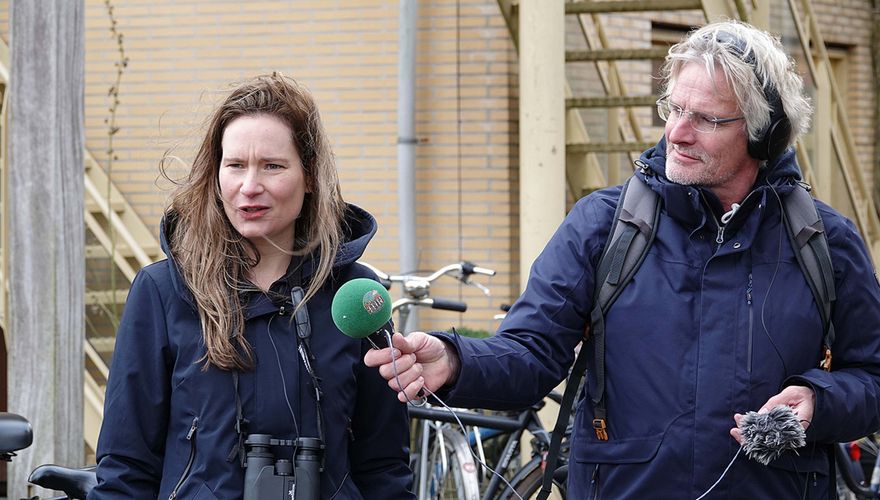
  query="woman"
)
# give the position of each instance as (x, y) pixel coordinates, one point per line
(232, 335)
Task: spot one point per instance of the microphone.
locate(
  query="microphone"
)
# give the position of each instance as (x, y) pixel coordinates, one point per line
(768, 435)
(361, 308)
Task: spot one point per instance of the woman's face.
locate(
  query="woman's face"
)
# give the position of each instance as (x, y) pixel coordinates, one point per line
(262, 181)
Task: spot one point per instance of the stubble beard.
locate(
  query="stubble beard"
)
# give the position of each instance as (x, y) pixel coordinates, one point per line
(706, 174)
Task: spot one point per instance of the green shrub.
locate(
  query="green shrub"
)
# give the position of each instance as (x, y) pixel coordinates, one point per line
(471, 332)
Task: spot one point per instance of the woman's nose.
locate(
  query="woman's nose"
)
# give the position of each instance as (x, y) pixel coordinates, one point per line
(251, 184)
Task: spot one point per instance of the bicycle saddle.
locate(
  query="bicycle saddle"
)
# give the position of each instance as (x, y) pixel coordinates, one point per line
(76, 483)
(15, 434)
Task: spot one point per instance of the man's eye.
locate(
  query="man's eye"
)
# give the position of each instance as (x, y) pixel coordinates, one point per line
(273, 166)
(706, 120)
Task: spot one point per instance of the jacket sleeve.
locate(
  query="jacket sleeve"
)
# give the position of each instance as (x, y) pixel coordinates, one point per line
(848, 397)
(132, 439)
(379, 451)
(534, 346)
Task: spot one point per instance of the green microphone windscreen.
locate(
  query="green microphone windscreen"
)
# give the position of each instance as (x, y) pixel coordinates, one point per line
(361, 307)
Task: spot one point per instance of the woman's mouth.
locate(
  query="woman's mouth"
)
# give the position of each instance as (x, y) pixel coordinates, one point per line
(252, 211)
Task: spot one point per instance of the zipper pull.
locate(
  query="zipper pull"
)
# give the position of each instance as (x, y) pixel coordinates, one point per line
(720, 238)
(749, 290)
(192, 430)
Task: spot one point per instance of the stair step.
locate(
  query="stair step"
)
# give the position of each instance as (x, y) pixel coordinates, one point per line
(117, 206)
(94, 297)
(591, 7)
(608, 147)
(615, 54)
(611, 101)
(103, 345)
(99, 252)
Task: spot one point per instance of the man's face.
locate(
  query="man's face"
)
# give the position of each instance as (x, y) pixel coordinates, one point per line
(716, 160)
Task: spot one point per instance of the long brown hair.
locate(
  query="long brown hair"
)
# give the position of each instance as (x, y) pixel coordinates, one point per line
(212, 256)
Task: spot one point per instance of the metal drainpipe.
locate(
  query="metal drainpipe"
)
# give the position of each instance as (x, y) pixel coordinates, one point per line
(406, 144)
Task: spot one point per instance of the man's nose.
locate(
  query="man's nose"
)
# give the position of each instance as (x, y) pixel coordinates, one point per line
(681, 130)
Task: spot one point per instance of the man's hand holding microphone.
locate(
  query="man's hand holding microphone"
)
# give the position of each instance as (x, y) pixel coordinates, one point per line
(421, 361)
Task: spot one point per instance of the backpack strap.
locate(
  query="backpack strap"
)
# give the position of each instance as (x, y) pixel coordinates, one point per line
(633, 229)
(810, 243)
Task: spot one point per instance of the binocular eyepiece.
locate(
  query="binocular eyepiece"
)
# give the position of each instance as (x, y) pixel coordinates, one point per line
(268, 478)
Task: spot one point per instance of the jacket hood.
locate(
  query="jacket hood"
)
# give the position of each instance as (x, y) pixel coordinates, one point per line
(683, 202)
(358, 228)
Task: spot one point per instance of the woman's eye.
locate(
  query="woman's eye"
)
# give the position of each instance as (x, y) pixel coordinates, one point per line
(274, 166)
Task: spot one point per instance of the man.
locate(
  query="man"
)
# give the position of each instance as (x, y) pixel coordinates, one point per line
(719, 319)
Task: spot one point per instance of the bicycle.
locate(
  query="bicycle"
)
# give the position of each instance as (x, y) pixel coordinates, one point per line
(451, 468)
(525, 481)
(16, 434)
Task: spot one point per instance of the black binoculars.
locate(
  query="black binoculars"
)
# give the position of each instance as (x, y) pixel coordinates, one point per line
(268, 478)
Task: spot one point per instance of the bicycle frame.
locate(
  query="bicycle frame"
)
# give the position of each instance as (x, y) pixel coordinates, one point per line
(510, 428)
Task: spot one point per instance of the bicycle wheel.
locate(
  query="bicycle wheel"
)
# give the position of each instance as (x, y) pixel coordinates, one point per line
(452, 474)
(527, 483)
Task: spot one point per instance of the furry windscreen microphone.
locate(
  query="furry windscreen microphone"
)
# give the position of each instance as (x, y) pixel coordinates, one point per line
(769, 435)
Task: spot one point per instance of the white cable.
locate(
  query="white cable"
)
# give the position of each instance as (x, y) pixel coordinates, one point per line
(424, 399)
(722, 474)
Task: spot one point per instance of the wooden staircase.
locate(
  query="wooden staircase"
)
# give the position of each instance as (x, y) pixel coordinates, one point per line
(606, 131)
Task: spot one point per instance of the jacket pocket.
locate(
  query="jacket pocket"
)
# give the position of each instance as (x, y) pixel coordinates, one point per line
(592, 461)
(807, 460)
(191, 437)
(618, 451)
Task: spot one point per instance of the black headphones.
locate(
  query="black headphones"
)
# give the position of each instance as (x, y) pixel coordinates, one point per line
(773, 139)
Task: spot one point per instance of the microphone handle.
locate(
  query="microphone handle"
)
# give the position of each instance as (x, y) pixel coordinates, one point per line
(378, 339)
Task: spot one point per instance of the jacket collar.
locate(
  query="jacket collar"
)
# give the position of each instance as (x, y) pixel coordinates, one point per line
(695, 207)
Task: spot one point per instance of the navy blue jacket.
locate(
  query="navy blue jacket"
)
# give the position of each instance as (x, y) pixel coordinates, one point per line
(169, 423)
(705, 330)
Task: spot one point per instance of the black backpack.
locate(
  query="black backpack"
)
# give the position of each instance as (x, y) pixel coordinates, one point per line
(633, 231)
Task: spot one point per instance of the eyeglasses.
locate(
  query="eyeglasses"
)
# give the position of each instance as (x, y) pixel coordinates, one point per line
(701, 122)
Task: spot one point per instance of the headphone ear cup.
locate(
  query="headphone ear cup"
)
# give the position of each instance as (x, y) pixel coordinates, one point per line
(773, 140)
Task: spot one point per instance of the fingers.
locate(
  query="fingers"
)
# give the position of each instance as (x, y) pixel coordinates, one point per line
(411, 392)
(379, 357)
(737, 435)
(735, 432)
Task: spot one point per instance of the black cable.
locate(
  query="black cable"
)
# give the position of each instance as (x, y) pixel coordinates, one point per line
(281, 374)
(773, 279)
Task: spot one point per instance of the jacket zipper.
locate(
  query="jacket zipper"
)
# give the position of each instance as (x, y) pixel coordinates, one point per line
(595, 482)
(751, 320)
(719, 238)
(190, 436)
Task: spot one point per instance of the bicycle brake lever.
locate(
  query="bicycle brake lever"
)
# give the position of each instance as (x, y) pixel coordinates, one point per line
(482, 288)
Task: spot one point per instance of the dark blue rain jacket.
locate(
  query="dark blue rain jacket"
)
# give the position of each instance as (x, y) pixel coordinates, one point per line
(169, 423)
(714, 323)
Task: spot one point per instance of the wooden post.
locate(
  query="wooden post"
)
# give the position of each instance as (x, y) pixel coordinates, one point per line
(46, 232)
(541, 126)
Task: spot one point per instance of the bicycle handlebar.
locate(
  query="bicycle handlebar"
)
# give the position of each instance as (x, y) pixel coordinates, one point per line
(464, 269)
(466, 418)
(448, 305)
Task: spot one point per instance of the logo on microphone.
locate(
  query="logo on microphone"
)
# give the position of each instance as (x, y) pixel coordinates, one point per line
(373, 302)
